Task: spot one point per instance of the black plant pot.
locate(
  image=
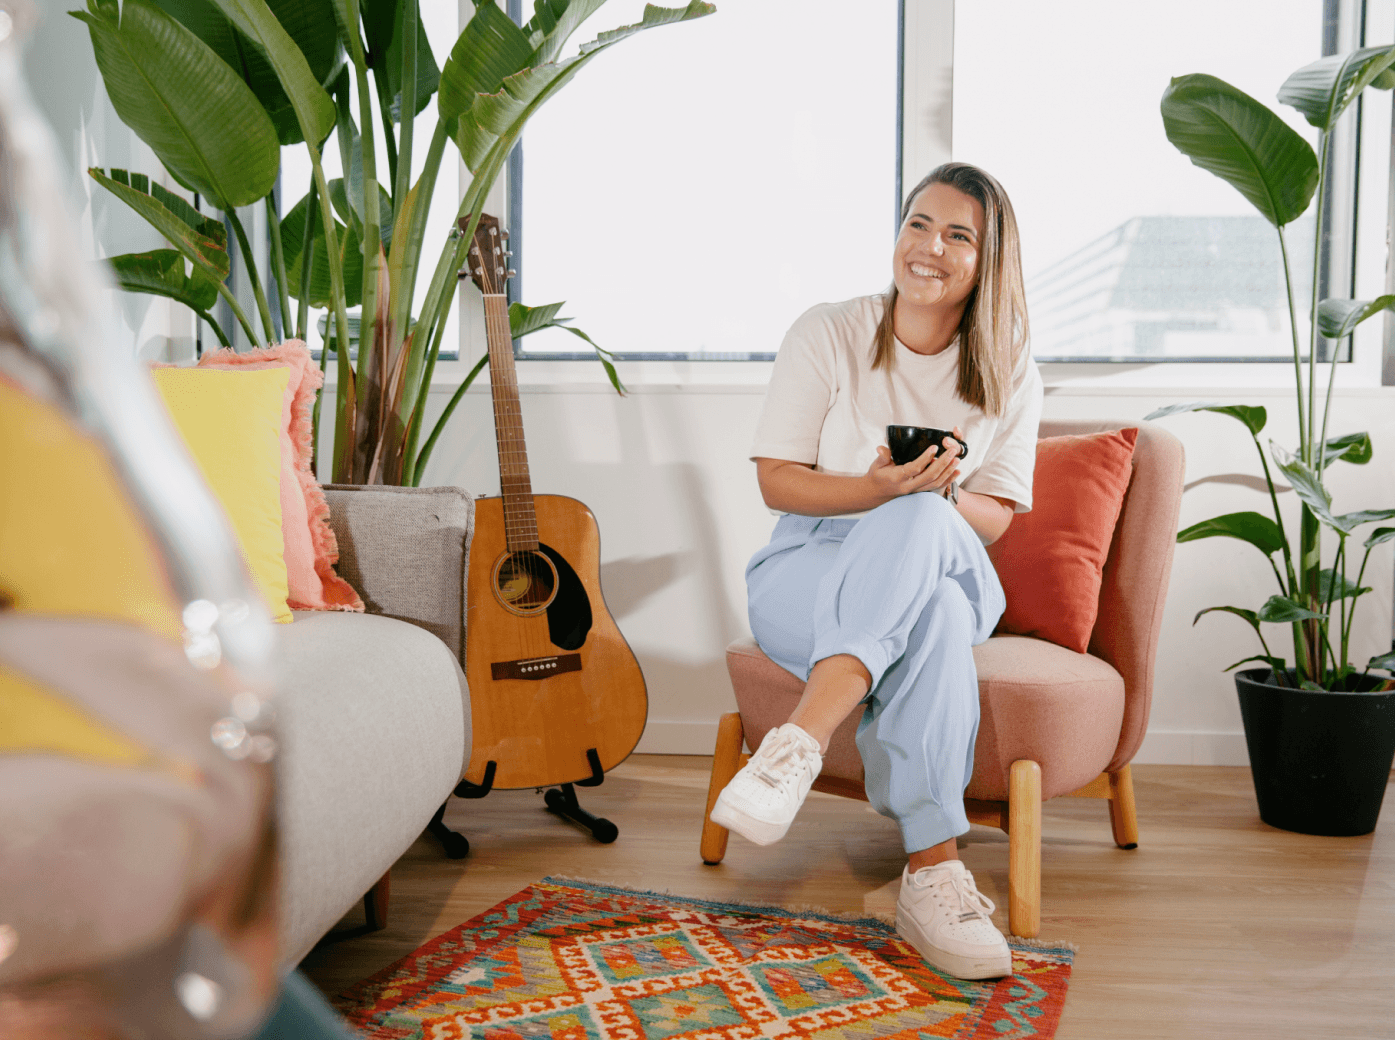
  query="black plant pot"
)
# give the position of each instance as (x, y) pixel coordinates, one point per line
(1320, 760)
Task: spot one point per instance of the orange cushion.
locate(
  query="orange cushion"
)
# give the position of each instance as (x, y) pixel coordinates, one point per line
(310, 546)
(1051, 560)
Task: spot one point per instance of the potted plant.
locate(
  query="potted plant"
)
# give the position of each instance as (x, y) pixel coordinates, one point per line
(1321, 735)
(216, 87)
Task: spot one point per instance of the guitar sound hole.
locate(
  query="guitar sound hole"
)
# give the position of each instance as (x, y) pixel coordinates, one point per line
(525, 582)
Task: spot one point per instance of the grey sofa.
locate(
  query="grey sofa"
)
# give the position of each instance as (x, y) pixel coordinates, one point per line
(373, 710)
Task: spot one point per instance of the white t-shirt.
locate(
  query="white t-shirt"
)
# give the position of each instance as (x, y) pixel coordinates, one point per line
(826, 406)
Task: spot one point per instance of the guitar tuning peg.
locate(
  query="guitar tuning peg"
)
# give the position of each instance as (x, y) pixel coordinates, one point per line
(508, 252)
(510, 273)
(505, 234)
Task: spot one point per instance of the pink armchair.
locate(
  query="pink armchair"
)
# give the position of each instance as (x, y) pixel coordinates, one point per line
(1054, 722)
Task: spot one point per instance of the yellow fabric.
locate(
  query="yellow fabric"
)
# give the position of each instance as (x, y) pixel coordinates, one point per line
(231, 421)
(36, 720)
(71, 543)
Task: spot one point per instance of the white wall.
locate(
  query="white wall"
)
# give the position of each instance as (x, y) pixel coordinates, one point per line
(665, 472)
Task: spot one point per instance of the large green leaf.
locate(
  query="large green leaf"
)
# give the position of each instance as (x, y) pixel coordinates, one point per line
(1255, 528)
(1323, 90)
(348, 204)
(350, 250)
(490, 48)
(1379, 536)
(1240, 612)
(523, 320)
(556, 20)
(1333, 586)
(1226, 132)
(1350, 447)
(1253, 416)
(309, 23)
(381, 21)
(1385, 662)
(1337, 318)
(161, 273)
(1365, 516)
(203, 240)
(1308, 486)
(313, 108)
(181, 99)
(496, 119)
(1281, 610)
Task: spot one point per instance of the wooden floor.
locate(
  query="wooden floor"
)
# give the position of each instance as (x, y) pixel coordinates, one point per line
(1216, 926)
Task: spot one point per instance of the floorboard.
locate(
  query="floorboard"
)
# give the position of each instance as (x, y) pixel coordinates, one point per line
(1216, 926)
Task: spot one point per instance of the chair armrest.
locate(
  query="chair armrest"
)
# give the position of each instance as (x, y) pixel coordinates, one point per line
(407, 551)
(1136, 573)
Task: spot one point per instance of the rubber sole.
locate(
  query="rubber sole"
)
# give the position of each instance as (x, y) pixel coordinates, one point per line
(995, 966)
(761, 832)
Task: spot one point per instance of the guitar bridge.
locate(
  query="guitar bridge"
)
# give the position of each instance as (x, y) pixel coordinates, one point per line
(535, 667)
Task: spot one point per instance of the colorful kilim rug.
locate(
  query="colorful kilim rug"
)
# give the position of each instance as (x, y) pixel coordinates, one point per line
(575, 960)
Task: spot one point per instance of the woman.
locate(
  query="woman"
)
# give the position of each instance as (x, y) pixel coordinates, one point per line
(875, 585)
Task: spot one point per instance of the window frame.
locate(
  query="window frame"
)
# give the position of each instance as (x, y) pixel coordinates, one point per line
(1366, 192)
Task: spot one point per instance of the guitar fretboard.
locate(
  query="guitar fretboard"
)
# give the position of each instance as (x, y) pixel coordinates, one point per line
(520, 522)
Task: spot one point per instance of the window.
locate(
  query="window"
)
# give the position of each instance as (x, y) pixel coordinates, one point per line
(699, 186)
(1130, 252)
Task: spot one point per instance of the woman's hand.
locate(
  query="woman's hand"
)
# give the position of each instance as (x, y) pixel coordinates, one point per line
(932, 471)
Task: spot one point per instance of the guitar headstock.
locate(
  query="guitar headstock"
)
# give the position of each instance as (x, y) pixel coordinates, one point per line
(487, 262)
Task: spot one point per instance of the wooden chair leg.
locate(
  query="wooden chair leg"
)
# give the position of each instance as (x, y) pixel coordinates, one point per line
(1024, 849)
(1122, 815)
(726, 760)
(375, 903)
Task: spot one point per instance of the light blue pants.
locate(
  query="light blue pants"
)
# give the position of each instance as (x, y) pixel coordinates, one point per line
(908, 590)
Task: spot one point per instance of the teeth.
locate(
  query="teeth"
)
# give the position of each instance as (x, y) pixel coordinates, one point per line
(925, 272)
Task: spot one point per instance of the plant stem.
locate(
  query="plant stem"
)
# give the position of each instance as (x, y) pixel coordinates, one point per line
(251, 261)
(1346, 631)
(1278, 519)
(372, 263)
(238, 313)
(278, 261)
(411, 467)
(385, 112)
(1324, 138)
(402, 168)
(307, 267)
(218, 329)
(420, 468)
(1297, 354)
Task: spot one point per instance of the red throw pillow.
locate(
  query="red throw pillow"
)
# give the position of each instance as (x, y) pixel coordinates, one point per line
(1051, 560)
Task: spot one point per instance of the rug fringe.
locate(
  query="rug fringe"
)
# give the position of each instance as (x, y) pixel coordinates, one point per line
(803, 908)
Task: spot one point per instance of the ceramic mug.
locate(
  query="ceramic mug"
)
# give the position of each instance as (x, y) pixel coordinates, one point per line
(909, 442)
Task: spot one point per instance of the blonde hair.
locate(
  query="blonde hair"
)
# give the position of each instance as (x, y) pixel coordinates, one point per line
(993, 331)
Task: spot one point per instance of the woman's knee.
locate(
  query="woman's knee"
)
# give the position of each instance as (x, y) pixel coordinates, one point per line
(911, 510)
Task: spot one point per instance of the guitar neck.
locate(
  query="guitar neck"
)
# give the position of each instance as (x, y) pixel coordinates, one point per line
(520, 521)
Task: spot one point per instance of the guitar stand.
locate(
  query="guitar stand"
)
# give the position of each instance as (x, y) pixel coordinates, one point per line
(560, 800)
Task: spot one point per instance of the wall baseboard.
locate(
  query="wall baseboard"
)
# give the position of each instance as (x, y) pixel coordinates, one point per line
(1160, 747)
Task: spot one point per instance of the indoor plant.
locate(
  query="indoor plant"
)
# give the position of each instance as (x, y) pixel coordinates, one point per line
(1321, 735)
(216, 87)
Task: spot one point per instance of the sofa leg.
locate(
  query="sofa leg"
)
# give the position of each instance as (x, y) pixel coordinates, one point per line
(1123, 817)
(726, 760)
(375, 903)
(1024, 849)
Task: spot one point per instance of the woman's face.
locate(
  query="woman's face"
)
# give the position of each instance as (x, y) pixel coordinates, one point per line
(936, 258)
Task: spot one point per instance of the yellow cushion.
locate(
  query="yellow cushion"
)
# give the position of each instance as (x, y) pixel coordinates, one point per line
(71, 542)
(231, 421)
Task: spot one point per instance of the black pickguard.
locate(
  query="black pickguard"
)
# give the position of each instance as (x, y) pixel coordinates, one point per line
(569, 615)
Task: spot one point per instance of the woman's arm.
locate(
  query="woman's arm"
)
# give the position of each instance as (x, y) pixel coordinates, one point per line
(794, 487)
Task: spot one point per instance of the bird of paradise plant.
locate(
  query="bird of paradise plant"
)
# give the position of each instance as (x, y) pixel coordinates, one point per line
(217, 87)
(1230, 134)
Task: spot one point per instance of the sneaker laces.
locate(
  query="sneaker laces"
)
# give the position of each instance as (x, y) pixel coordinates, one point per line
(973, 904)
(780, 757)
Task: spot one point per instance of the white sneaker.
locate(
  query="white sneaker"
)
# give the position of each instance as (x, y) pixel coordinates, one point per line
(944, 916)
(760, 802)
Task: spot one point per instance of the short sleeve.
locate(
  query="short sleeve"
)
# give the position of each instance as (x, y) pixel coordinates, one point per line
(802, 388)
(1006, 471)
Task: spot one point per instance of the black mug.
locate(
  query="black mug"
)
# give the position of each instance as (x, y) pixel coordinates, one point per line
(909, 442)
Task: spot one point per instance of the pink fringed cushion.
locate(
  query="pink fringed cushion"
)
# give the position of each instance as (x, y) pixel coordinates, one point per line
(311, 549)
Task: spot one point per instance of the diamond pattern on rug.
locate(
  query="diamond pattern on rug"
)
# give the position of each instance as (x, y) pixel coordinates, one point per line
(582, 961)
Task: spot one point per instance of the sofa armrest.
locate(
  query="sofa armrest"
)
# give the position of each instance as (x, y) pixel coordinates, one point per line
(407, 552)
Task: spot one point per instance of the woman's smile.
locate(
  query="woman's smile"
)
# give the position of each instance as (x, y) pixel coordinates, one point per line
(935, 263)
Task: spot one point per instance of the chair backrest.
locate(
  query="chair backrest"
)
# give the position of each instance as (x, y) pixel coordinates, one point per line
(1136, 573)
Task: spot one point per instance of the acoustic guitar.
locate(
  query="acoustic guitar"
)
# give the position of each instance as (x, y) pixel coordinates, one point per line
(556, 695)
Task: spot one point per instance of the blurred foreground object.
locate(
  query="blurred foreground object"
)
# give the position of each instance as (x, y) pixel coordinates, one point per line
(137, 844)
